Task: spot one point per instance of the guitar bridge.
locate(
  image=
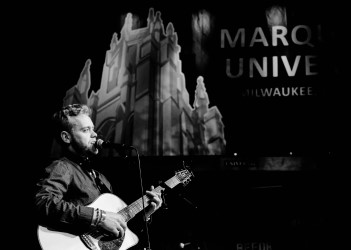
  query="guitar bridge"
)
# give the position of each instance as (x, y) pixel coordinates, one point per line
(88, 242)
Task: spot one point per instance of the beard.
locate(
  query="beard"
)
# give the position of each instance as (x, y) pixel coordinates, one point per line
(84, 150)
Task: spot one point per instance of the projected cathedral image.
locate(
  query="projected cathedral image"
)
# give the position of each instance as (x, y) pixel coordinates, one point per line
(143, 98)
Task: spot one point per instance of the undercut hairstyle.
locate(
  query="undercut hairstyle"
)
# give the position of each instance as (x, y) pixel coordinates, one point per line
(61, 121)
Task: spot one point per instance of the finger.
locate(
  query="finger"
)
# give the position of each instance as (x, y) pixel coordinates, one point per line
(155, 196)
(151, 194)
(124, 226)
(120, 231)
(158, 204)
(155, 205)
(115, 232)
(154, 193)
(122, 223)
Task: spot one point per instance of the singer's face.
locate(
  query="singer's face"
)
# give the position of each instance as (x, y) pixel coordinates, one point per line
(83, 135)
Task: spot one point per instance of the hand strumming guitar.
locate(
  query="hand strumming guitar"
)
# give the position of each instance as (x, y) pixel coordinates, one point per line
(115, 223)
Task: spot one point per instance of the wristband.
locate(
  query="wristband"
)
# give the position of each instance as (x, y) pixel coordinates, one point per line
(102, 217)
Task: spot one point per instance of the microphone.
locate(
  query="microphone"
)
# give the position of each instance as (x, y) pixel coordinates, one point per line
(117, 146)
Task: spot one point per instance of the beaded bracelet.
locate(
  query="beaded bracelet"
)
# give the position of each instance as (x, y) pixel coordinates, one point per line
(98, 217)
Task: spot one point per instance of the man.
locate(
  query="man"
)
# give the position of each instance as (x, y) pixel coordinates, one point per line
(70, 185)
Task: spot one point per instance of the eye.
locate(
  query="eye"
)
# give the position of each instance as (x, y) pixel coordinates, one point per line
(88, 130)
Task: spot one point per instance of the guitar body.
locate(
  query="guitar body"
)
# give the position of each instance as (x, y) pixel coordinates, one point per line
(54, 240)
(95, 239)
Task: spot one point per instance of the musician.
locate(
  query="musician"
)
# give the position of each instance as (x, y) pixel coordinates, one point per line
(70, 184)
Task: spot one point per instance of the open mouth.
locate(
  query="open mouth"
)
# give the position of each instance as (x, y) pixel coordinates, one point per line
(94, 145)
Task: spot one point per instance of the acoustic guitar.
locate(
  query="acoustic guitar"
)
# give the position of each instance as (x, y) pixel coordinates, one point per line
(96, 239)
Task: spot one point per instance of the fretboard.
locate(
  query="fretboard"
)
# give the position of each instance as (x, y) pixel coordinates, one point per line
(133, 209)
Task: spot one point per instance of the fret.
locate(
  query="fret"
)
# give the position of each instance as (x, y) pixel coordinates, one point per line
(172, 182)
(134, 208)
(125, 212)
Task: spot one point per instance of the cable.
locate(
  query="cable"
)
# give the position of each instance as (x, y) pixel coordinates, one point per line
(142, 197)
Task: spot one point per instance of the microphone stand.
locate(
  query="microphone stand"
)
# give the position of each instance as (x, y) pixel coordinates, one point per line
(142, 197)
(123, 154)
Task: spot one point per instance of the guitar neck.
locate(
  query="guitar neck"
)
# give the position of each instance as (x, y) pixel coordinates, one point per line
(134, 208)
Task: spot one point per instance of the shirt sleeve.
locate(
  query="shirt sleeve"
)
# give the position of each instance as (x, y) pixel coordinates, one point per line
(53, 210)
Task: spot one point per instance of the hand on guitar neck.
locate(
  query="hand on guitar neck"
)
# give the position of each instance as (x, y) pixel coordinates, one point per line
(116, 224)
(155, 201)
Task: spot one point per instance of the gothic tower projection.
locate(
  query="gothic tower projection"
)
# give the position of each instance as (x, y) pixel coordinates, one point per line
(142, 99)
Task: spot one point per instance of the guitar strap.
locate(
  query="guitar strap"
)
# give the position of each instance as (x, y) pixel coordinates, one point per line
(101, 186)
(96, 176)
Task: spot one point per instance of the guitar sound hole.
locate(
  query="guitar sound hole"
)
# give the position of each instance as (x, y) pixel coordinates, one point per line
(107, 237)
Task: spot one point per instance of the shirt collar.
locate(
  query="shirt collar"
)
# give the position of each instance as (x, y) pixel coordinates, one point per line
(83, 161)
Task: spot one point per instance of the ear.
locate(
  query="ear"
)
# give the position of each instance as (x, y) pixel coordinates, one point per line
(66, 137)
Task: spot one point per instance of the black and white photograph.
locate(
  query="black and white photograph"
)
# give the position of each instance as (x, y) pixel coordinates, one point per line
(165, 125)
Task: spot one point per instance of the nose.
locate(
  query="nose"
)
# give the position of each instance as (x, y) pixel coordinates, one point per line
(93, 134)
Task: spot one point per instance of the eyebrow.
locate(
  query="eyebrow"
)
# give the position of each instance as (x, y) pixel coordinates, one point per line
(89, 127)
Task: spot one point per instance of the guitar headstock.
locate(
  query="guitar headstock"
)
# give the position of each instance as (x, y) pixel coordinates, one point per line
(184, 176)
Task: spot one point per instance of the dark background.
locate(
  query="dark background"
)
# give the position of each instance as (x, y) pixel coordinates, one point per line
(291, 209)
